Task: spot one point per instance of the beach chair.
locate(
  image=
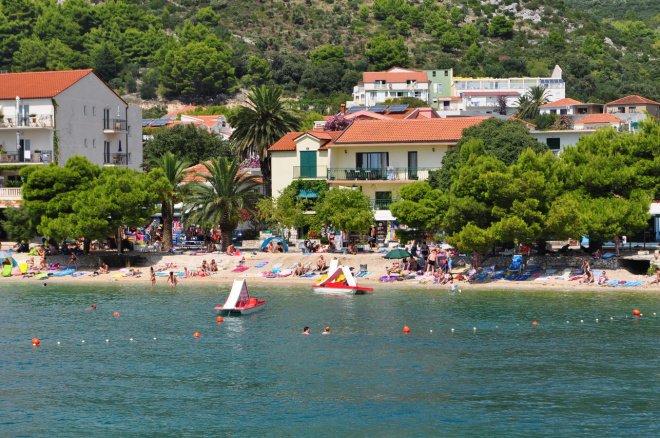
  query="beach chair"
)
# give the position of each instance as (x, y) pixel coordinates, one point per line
(516, 264)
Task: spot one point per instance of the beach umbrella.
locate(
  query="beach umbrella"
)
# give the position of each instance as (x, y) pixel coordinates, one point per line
(7, 255)
(446, 246)
(397, 254)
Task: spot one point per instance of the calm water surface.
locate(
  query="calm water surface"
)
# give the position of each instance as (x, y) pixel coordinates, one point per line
(258, 376)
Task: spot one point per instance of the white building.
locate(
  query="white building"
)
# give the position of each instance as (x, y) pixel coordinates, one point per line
(52, 116)
(376, 87)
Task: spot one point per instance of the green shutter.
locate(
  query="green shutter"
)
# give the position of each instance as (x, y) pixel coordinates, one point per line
(308, 164)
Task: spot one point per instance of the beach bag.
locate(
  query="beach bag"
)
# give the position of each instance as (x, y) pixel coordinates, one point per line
(363, 268)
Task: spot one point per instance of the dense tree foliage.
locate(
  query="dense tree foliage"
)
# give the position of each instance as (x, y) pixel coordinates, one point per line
(196, 50)
(346, 210)
(187, 142)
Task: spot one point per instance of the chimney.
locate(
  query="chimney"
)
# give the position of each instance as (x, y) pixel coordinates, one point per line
(342, 109)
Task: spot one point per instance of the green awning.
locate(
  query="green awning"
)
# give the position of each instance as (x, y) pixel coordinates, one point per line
(303, 193)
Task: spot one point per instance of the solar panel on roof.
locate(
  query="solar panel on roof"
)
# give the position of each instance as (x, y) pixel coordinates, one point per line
(398, 108)
(145, 122)
(378, 109)
(355, 109)
(159, 122)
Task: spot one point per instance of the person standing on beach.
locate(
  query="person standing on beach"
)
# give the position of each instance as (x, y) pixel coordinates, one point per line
(152, 273)
(172, 280)
(74, 260)
(430, 266)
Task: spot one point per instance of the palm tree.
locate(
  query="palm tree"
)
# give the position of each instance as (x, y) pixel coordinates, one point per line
(257, 126)
(219, 200)
(529, 104)
(174, 170)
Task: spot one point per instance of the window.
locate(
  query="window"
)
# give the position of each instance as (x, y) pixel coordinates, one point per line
(621, 109)
(106, 118)
(632, 109)
(85, 142)
(554, 144)
(128, 131)
(93, 110)
(553, 111)
(85, 109)
(446, 73)
(439, 88)
(23, 151)
(93, 142)
(366, 160)
(308, 164)
(563, 112)
(433, 73)
(582, 110)
(106, 152)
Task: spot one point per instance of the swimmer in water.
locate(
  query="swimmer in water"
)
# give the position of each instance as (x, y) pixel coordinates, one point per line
(172, 280)
(91, 308)
(452, 286)
(305, 331)
(326, 331)
(45, 284)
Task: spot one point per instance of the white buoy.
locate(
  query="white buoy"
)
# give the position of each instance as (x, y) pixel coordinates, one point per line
(475, 329)
(58, 342)
(131, 339)
(496, 326)
(611, 318)
(83, 341)
(431, 332)
(596, 319)
(107, 340)
(566, 322)
(452, 330)
(582, 320)
(653, 313)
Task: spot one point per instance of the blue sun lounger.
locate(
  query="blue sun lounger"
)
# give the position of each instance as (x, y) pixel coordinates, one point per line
(516, 264)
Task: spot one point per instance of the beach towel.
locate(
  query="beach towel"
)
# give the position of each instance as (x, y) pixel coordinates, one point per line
(278, 265)
(260, 264)
(77, 274)
(608, 255)
(511, 277)
(64, 272)
(241, 269)
(542, 278)
(309, 275)
(522, 277)
(285, 273)
(532, 272)
(550, 271)
(482, 277)
(40, 276)
(497, 276)
(577, 277)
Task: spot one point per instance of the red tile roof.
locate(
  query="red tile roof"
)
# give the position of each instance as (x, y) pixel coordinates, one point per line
(180, 111)
(287, 143)
(406, 131)
(633, 100)
(41, 84)
(599, 118)
(374, 76)
(200, 168)
(562, 102)
(490, 93)
(521, 120)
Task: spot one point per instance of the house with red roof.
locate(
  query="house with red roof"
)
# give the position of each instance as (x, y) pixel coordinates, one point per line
(571, 108)
(595, 121)
(51, 116)
(377, 157)
(632, 109)
(396, 82)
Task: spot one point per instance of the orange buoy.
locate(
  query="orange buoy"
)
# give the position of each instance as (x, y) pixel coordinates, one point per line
(196, 334)
(220, 319)
(636, 312)
(535, 323)
(406, 329)
(116, 313)
(35, 341)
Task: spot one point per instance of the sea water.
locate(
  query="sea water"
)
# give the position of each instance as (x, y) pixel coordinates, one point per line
(472, 365)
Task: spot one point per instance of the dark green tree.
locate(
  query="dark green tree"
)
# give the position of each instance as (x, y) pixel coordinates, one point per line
(187, 142)
(384, 53)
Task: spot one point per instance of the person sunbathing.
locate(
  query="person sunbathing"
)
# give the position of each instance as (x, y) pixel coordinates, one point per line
(300, 270)
(471, 274)
(320, 264)
(352, 248)
(331, 247)
(214, 266)
(395, 269)
(231, 250)
(205, 268)
(657, 277)
(104, 269)
(30, 263)
(602, 278)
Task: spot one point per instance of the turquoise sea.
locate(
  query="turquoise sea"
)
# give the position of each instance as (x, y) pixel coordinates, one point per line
(256, 376)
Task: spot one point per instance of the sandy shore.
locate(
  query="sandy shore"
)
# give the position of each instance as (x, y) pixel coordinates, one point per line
(376, 264)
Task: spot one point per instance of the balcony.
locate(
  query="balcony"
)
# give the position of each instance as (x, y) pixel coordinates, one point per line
(11, 194)
(33, 121)
(37, 157)
(380, 174)
(114, 126)
(309, 172)
(116, 159)
(382, 204)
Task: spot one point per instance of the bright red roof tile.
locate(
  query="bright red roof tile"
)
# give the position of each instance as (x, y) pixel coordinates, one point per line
(561, 102)
(599, 118)
(374, 76)
(449, 129)
(40, 84)
(633, 100)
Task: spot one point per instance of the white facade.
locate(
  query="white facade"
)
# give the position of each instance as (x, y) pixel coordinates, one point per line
(557, 141)
(396, 82)
(87, 119)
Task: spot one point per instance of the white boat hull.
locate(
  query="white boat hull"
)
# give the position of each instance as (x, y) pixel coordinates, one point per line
(241, 311)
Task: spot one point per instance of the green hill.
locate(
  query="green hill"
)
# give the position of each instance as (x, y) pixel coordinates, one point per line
(204, 50)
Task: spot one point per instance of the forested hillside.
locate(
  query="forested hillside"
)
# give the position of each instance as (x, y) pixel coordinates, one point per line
(204, 50)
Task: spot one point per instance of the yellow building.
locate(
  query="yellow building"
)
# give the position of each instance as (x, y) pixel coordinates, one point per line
(377, 157)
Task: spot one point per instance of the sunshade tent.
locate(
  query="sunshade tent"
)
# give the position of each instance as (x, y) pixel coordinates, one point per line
(267, 241)
(8, 255)
(397, 254)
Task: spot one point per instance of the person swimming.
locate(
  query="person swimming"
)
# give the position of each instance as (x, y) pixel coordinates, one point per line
(326, 331)
(305, 330)
(91, 308)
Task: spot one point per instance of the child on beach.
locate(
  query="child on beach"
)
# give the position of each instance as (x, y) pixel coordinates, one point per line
(152, 273)
(172, 280)
(452, 287)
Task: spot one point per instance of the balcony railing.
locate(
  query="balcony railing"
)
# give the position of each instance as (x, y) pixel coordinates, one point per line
(380, 174)
(117, 159)
(114, 125)
(309, 172)
(382, 204)
(35, 157)
(35, 121)
(11, 193)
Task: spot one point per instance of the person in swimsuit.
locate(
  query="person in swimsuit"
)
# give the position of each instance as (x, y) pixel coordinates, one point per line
(305, 331)
(430, 264)
(152, 274)
(74, 260)
(172, 280)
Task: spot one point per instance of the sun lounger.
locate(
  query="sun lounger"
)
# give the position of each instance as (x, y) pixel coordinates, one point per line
(293, 266)
(64, 272)
(482, 277)
(511, 277)
(522, 277)
(497, 276)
